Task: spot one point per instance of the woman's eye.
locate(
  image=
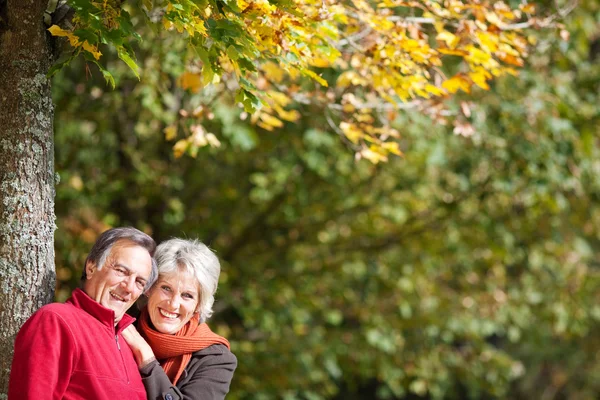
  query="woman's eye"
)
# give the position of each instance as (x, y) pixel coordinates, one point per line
(188, 296)
(166, 288)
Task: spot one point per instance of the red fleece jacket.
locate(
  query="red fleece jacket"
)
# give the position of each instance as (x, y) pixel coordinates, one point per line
(73, 351)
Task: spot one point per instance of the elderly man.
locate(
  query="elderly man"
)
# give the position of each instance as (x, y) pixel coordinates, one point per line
(75, 350)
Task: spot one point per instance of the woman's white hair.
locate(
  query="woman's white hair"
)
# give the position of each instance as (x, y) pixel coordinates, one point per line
(197, 259)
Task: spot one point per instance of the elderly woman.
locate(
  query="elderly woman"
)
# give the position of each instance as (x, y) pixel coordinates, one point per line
(179, 357)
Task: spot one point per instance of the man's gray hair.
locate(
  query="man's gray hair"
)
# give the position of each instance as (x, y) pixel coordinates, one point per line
(197, 259)
(105, 242)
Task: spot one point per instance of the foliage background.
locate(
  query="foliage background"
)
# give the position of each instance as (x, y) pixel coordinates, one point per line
(469, 268)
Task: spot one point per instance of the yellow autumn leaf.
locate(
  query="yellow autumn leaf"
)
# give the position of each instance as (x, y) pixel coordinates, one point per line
(434, 90)
(170, 132)
(450, 39)
(488, 41)
(454, 52)
(56, 30)
(477, 56)
(381, 23)
(493, 19)
(191, 81)
(320, 62)
(480, 77)
(271, 120)
(279, 98)
(180, 147)
(510, 59)
(199, 26)
(348, 78)
(314, 76)
(365, 118)
(372, 155)
(290, 116)
(92, 49)
(273, 72)
(532, 40)
(508, 14)
(455, 83)
(348, 108)
(527, 8)
(351, 131)
(370, 139)
(392, 147)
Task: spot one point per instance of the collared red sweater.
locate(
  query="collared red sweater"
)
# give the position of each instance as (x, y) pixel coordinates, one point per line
(73, 351)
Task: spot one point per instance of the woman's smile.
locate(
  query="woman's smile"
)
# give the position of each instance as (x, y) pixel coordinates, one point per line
(173, 301)
(167, 314)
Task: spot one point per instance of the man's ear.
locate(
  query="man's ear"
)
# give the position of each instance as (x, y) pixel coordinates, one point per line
(90, 268)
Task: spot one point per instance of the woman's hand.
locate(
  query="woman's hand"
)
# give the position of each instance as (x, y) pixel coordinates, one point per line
(141, 349)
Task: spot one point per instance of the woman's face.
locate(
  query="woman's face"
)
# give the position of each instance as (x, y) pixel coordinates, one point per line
(173, 300)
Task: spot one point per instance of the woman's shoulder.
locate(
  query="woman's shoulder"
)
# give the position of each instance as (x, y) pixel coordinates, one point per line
(214, 350)
(216, 357)
(216, 354)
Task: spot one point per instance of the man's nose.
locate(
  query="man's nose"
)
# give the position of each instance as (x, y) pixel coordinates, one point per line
(129, 284)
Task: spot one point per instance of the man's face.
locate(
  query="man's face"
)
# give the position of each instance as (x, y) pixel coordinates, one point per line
(122, 278)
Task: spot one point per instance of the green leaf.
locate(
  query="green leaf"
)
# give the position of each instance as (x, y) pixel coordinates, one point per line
(250, 102)
(107, 75)
(60, 64)
(123, 55)
(85, 34)
(233, 53)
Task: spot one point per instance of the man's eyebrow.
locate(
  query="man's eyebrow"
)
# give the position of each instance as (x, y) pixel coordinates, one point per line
(125, 267)
(128, 271)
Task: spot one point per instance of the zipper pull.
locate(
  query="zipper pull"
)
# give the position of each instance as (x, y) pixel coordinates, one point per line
(117, 340)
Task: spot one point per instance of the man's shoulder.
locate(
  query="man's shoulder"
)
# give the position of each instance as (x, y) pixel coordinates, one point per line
(58, 310)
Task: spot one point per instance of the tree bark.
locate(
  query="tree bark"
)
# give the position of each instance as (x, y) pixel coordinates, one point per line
(27, 220)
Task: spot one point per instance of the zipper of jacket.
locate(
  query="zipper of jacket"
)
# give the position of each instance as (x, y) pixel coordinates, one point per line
(122, 359)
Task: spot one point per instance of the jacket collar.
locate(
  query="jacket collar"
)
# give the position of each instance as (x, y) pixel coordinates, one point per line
(106, 316)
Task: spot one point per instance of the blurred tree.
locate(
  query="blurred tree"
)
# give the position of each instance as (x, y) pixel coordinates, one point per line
(388, 51)
(468, 269)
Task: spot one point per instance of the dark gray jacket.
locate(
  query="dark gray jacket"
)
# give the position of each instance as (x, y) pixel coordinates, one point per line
(206, 377)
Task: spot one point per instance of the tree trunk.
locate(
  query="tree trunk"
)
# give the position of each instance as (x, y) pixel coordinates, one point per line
(27, 276)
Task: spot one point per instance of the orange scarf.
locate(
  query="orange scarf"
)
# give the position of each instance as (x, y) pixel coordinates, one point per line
(174, 352)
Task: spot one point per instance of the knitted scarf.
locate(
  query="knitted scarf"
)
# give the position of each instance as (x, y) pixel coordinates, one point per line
(174, 352)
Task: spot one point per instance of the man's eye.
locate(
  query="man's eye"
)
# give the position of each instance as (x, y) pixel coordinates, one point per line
(120, 271)
(140, 284)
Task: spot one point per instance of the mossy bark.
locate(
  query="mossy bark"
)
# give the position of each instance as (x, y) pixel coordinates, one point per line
(27, 220)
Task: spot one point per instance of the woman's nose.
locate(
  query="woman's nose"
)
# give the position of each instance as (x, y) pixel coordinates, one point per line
(175, 300)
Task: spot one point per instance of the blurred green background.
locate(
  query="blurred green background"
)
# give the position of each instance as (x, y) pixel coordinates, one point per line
(468, 269)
